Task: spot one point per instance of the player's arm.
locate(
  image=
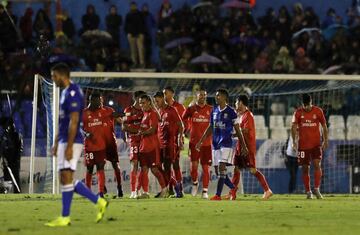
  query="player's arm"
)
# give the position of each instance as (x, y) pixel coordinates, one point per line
(207, 132)
(73, 124)
(55, 145)
(325, 136)
(129, 129)
(294, 134)
(240, 134)
(153, 126)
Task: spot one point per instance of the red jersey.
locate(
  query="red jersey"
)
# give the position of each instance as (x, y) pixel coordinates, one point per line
(168, 127)
(149, 143)
(109, 124)
(133, 117)
(199, 118)
(247, 122)
(309, 127)
(93, 124)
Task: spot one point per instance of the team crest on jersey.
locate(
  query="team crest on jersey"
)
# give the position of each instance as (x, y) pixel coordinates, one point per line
(99, 114)
(207, 113)
(89, 116)
(302, 116)
(225, 115)
(72, 93)
(314, 116)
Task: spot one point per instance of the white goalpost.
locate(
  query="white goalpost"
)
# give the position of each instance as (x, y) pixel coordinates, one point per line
(273, 98)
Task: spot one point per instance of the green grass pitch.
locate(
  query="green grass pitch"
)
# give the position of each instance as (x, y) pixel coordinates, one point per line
(282, 214)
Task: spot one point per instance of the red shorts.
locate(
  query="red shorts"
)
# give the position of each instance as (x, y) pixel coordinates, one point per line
(306, 156)
(94, 157)
(205, 154)
(150, 159)
(134, 152)
(248, 161)
(111, 152)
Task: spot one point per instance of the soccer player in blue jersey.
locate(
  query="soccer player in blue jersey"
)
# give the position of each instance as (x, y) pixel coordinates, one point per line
(223, 120)
(68, 146)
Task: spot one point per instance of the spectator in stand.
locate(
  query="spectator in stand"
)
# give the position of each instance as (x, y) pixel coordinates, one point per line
(8, 36)
(262, 64)
(89, 21)
(43, 26)
(285, 59)
(68, 25)
(283, 25)
(26, 27)
(301, 61)
(113, 24)
(165, 10)
(150, 26)
(311, 20)
(329, 19)
(135, 31)
(298, 19)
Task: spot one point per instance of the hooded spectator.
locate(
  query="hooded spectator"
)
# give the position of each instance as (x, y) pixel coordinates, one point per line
(90, 21)
(113, 24)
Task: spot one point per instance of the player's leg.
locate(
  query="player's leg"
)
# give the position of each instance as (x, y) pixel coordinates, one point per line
(317, 178)
(133, 176)
(262, 180)
(291, 165)
(144, 163)
(194, 164)
(178, 176)
(117, 173)
(101, 178)
(304, 161)
(160, 178)
(88, 175)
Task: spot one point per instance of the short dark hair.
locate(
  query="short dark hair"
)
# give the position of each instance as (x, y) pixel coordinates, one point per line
(138, 94)
(224, 92)
(145, 97)
(159, 94)
(62, 68)
(169, 88)
(244, 99)
(306, 99)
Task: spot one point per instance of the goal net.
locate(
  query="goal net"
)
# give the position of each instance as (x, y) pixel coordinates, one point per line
(273, 99)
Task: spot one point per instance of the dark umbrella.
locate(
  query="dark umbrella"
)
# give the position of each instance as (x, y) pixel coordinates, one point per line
(201, 5)
(237, 4)
(177, 42)
(205, 58)
(97, 36)
(330, 31)
(305, 30)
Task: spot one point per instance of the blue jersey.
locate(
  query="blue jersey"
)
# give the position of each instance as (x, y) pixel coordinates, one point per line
(222, 123)
(72, 100)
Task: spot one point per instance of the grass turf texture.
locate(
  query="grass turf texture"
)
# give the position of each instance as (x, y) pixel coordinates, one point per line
(282, 214)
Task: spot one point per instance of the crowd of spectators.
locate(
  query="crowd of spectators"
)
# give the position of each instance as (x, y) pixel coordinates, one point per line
(202, 38)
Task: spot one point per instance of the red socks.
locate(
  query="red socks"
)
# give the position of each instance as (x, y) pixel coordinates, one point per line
(160, 178)
(317, 176)
(145, 181)
(262, 180)
(88, 179)
(139, 180)
(194, 172)
(236, 178)
(101, 180)
(133, 180)
(178, 175)
(206, 176)
(306, 180)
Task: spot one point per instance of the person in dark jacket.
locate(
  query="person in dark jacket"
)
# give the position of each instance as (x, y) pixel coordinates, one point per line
(10, 149)
(91, 20)
(135, 30)
(113, 24)
(68, 25)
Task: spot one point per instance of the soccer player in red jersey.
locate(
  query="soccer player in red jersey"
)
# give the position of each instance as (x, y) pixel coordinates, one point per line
(169, 93)
(247, 126)
(198, 116)
(109, 117)
(170, 132)
(131, 125)
(306, 126)
(149, 156)
(95, 146)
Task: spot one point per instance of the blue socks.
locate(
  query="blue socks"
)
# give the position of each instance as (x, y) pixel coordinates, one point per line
(67, 192)
(220, 184)
(229, 183)
(81, 189)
